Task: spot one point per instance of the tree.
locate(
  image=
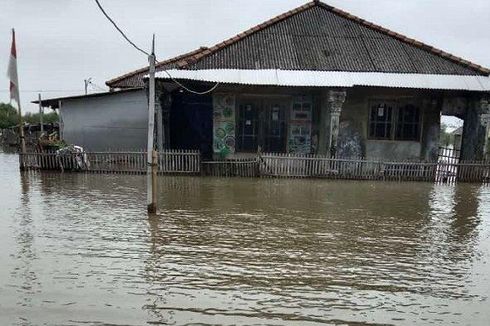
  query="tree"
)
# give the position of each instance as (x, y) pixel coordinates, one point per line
(33, 118)
(8, 116)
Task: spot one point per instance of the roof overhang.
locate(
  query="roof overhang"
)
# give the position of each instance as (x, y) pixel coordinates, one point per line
(302, 78)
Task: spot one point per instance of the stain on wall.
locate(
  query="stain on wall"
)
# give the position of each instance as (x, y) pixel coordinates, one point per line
(350, 141)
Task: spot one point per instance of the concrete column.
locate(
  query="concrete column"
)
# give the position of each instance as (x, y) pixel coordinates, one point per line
(430, 129)
(336, 100)
(159, 117)
(485, 121)
(475, 131)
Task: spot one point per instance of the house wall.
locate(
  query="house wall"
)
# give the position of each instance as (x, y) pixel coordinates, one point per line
(354, 126)
(114, 121)
(353, 140)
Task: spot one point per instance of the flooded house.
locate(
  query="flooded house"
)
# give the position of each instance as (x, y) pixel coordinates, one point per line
(314, 80)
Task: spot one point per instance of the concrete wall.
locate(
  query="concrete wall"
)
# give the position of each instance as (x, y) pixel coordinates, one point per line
(115, 121)
(353, 135)
(353, 140)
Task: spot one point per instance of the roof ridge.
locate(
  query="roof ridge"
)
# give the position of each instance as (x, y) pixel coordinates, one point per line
(159, 64)
(186, 61)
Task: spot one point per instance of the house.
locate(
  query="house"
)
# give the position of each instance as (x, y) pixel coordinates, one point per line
(314, 80)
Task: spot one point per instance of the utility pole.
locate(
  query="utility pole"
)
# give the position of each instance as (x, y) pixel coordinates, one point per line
(151, 153)
(41, 114)
(87, 82)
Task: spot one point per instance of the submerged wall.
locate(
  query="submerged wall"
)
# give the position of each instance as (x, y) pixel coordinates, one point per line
(109, 122)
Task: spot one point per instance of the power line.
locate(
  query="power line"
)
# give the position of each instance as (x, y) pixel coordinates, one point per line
(43, 90)
(147, 54)
(119, 30)
(190, 90)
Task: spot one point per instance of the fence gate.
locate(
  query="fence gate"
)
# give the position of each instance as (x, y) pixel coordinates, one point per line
(447, 164)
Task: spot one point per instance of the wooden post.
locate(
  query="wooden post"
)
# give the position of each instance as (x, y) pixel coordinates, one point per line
(151, 178)
(22, 137)
(41, 114)
(154, 185)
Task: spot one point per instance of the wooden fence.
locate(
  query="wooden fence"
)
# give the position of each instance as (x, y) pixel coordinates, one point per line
(232, 168)
(264, 165)
(317, 166)
(169, 162)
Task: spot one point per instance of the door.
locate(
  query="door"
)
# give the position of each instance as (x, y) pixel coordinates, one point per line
(248, 126)
(274, 127)
(262, 122)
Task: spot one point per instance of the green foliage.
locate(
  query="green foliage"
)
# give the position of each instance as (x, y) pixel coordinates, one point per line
(8, 116)
(50, 117)
(446, 138)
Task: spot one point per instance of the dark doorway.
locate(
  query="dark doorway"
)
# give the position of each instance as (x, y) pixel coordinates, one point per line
(191, 123)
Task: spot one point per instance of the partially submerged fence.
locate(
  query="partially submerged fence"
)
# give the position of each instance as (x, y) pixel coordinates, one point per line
(263, 165)
(169, 162)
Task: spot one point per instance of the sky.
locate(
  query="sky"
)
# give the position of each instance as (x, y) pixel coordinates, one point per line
(62, 42)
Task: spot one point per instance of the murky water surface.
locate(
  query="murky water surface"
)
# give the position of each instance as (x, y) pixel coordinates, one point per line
(80, 250)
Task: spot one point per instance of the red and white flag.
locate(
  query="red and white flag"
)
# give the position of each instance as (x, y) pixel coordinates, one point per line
(12, 72)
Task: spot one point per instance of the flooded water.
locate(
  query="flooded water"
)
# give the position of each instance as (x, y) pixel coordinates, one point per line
(80, 250)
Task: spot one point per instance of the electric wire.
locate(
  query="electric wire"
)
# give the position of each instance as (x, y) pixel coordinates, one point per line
(147, 54)
(119, 30)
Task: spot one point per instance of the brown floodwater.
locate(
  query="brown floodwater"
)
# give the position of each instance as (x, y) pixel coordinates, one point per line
(79, 249)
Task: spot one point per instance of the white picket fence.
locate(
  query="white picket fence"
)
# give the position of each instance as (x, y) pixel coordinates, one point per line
(169, 162)
(263, 165)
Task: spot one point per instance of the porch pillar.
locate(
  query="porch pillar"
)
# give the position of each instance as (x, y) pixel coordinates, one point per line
(485, 121)
(336, 100)
(474, 145)
(160, 135)
(162, 108)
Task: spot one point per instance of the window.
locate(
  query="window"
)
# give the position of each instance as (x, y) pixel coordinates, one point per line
(407, 127)
(392, 121)
(380, 121)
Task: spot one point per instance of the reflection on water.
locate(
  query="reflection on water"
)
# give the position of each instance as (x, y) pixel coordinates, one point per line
(79, 249)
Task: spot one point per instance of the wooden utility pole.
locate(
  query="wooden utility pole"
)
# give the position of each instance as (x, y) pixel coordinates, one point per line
(151, 154)
(41, 114)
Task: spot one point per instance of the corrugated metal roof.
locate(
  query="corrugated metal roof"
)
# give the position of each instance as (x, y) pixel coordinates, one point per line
(275, 77)
(135, 78)
(319, 37)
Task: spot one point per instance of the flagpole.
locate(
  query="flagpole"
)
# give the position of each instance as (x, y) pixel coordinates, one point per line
(15, 94)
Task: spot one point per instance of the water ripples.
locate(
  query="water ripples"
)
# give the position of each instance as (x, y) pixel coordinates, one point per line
(80, 249)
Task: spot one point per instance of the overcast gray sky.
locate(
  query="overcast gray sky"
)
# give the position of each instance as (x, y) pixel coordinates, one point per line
(62, 42)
